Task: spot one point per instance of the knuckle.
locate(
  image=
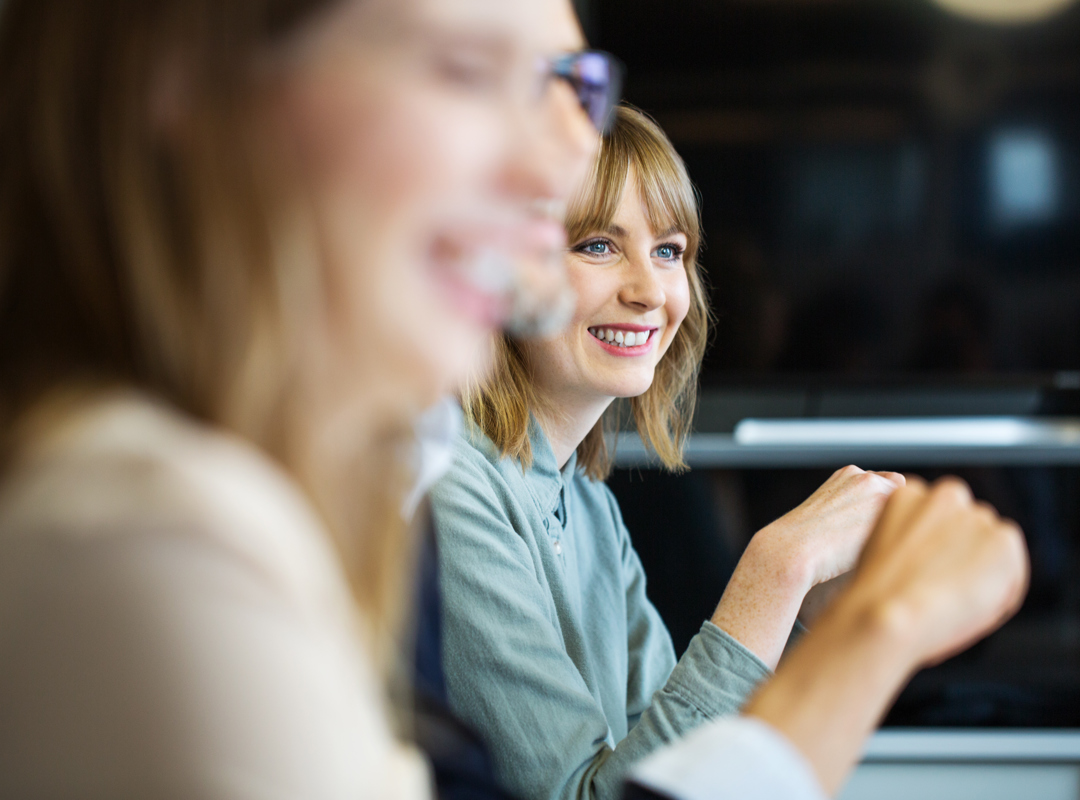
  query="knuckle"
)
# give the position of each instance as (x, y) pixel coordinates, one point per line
(1015, 536)
(951, 490)
(894, 478)
(985, 513)
(914, 482)
(910, 492)
(1012, 543)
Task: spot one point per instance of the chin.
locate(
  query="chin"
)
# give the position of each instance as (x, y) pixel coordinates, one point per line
(626, 391)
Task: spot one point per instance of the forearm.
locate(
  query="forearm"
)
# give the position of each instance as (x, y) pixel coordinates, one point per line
(832, 691)
(762, 599)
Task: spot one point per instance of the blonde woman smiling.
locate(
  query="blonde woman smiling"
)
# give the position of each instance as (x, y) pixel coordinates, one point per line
(552, 649)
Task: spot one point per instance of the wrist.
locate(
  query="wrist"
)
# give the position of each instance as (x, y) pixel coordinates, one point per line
(833, 690)
(885, 629)
(778, 551)
(762, 599)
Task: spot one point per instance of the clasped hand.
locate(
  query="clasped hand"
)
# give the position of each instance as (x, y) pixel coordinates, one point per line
(822, 538)
(814, 543)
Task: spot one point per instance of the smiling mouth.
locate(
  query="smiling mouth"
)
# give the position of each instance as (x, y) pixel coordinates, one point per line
(620, 338)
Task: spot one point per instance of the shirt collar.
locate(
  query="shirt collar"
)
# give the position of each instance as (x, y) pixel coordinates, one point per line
(545, 479)
(436, 430)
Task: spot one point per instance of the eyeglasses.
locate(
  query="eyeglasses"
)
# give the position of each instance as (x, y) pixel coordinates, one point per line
(596, 78)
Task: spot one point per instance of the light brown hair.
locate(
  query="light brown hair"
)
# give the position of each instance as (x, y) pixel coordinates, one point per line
(133, 257)
(500, 405)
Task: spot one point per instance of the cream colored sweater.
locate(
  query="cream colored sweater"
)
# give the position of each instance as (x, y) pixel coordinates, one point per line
(174, 623)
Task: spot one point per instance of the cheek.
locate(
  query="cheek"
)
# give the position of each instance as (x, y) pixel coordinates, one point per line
(678, 303)
(677, 306)
(401, 151)
(594, 287)
(385, 169)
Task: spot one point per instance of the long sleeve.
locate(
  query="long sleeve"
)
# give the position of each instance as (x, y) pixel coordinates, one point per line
(713, 678)
(545, 627)
(735, 759)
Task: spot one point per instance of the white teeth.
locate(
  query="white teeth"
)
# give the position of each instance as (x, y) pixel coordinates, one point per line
(621, 338)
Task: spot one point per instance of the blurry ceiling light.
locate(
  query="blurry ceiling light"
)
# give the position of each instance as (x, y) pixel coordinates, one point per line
(1005, 11)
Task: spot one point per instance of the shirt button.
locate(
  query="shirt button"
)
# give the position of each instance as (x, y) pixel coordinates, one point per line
(558, 547)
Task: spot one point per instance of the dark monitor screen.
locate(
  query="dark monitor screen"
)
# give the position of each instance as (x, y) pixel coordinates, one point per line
(852, 260)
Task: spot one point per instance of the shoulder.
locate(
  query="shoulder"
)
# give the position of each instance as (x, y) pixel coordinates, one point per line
(478, 473)
(126, 471)
(172, 585)
(483, 505)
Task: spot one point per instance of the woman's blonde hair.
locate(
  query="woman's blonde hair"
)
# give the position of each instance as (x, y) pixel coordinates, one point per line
(501, 404)
(133, 254)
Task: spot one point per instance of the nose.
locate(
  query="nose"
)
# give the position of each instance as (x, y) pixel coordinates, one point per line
(642, 290)
(553, 147)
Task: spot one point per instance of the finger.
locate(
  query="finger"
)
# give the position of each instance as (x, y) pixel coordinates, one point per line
(892, 477)
(846, 472)
(948, 496)
(899, 514)
(914, 481)
(951, 489)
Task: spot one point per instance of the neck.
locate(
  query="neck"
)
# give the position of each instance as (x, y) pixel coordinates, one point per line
(566, 423)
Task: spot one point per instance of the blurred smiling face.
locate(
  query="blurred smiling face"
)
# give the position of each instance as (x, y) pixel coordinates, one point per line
(436, 168)
(633, 293)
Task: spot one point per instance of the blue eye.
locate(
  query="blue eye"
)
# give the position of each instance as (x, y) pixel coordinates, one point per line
(668, 252)
(594, 247)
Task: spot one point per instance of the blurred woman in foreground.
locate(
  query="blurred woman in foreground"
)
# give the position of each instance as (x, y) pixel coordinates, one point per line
(240, 244)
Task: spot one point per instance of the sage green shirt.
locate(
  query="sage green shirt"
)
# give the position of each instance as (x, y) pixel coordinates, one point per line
(552, 650)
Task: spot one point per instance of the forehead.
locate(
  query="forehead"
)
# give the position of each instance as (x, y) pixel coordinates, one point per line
(645, 204)
(539, 25)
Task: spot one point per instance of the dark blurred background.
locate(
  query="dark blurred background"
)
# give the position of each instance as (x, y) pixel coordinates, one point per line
(888, 190)
(891, 198)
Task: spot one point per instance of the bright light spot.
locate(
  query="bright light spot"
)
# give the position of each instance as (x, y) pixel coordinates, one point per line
(917, 432)
(1024, 178)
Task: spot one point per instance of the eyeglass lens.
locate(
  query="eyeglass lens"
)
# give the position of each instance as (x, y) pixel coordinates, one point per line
(596, 78)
